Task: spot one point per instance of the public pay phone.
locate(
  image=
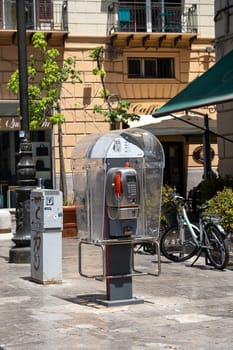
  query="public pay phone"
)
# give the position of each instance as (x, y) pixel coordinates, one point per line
(122, 193)
(122, 200)
(117, 181)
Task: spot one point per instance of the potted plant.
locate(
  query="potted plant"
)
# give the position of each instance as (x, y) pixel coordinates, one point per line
(221, 204)
(168, 209)
(70, 227)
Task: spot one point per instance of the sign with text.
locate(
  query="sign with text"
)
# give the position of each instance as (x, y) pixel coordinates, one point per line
(12, 123)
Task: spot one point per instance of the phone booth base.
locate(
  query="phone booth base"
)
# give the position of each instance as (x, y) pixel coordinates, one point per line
(119, 289)
(117, 181)
(120, 302)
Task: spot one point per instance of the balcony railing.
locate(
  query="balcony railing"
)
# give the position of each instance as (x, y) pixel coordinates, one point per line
(46, 15)
(137, 17)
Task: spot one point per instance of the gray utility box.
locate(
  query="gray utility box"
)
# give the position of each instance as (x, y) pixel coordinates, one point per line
(46, 236)
(46, 210)
(46, 257)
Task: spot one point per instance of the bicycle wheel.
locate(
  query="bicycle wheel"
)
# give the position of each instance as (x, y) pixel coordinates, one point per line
(176, 249)
(217, 248)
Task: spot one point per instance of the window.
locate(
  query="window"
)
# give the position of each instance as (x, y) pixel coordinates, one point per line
(10, 14)
(45, 14)
(38, 14)
(29, 14)
(151, 68)
(9, 11)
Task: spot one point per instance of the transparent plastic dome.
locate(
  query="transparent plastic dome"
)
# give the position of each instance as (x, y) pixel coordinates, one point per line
(91, 159)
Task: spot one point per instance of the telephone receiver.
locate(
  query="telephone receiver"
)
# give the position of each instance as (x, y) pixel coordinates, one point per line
(122, 187)
(118, 185)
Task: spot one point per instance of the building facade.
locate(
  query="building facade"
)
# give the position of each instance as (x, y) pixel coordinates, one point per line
(223, 44)
(151, 51)
(51, 18)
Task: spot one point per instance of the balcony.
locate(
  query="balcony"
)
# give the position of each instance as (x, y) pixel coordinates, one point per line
(137, 17)
(45, 15)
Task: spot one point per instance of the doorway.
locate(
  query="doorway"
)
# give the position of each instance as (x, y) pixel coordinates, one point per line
(9, 147)
(174, 165)
(9, 158)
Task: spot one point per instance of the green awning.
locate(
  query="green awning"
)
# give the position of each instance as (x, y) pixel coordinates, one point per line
(212, 87)
(9, 107)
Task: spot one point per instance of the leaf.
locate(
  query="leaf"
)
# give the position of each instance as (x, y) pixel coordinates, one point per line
(112, 114)
(46, 78)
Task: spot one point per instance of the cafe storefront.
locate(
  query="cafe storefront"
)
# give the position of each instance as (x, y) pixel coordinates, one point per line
(9, 152)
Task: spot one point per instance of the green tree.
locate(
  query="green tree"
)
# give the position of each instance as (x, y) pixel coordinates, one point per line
(120, 112)
(45, 82)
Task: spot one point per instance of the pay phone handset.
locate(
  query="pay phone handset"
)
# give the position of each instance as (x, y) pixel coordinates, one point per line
(122, 193)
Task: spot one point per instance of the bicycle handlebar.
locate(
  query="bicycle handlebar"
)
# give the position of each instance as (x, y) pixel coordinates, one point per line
(182, 200)
(179, 198)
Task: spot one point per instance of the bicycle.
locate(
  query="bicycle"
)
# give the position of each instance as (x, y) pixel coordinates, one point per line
(185, 240)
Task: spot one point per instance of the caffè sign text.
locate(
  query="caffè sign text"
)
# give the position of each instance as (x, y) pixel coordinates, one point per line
(9, 123)
(12, 123)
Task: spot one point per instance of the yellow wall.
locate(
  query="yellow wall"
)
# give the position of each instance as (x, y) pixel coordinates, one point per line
(191, 61)
(80, 120)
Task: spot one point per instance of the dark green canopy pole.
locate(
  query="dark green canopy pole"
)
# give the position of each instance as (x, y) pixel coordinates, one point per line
(26, 167)
(207, 150)
(206, 144)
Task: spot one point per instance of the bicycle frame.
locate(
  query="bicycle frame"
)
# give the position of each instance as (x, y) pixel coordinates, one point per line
(183, 220)
(183, 241)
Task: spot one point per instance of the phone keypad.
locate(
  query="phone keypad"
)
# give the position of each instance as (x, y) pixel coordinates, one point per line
(132, 190)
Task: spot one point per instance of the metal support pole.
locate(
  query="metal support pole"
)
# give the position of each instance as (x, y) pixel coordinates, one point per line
(206, 141)
(26, 167)
(207, 150)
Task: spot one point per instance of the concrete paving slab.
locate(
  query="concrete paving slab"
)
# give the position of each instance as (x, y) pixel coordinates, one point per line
(185, 308)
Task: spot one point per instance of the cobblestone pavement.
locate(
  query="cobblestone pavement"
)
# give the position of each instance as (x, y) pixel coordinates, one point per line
(185, 308)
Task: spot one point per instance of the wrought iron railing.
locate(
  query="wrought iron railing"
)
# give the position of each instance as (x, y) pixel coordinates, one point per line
(40, 15)
(137, 17)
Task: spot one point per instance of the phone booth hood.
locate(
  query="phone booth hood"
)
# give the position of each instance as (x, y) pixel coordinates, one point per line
(91, 160)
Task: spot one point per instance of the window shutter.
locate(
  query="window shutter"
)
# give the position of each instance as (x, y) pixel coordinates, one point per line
(45, 14)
